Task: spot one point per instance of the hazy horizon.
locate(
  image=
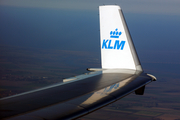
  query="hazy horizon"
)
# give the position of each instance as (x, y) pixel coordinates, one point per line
(74, 26)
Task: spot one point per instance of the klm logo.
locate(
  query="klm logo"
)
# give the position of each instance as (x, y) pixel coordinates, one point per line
(109, 89)
(113, 44)
(117, 45)
(115, 34)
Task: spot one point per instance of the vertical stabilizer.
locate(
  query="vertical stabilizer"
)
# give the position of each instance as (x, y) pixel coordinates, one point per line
(117, 49)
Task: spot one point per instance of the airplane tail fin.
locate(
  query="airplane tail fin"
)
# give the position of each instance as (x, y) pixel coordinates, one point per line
(117, 49)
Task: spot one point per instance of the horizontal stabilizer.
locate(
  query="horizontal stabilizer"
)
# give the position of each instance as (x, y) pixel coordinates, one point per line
(120, 75)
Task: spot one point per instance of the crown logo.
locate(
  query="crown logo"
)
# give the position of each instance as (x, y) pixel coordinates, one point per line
(115, 34)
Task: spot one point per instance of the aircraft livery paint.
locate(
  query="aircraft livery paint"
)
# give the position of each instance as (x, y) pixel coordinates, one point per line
(115, 42)
(108, 44)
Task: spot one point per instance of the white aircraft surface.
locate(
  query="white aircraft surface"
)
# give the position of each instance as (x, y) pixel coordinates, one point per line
(120, 75)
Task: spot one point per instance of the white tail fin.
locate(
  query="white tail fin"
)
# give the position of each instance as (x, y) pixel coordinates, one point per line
(117, 49)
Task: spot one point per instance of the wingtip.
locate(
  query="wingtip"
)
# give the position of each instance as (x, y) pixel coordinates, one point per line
(153, 77)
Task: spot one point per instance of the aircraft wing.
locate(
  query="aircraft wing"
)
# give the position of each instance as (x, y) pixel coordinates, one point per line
(120, 75)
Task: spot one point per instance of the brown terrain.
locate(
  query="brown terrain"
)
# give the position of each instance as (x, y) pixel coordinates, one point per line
(23, 69)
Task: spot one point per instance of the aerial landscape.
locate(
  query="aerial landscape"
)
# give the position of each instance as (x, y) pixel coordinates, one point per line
(40, 46)
(24, 69)
(160, 101)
